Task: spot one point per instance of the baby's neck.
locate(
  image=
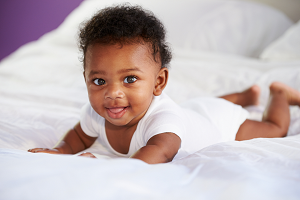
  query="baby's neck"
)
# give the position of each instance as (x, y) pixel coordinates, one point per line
(111, 127)
(119, 137)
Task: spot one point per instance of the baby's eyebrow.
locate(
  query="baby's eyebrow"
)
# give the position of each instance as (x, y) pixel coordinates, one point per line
(97, 72)
(129, 70)
(93, 72)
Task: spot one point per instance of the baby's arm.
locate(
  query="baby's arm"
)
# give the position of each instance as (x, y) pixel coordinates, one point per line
(74, 141)
(160, 148)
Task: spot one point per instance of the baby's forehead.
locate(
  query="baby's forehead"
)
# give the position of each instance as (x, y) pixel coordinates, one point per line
(133, 49)
(134, 54)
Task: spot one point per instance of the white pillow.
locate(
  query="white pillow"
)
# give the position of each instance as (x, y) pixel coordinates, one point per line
(232, 27)
(287, 47)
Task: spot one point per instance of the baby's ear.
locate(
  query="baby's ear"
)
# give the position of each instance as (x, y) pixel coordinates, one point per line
(84, 76)
(161, 81)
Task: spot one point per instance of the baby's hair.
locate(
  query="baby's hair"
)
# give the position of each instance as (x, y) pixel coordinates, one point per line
(126, 24)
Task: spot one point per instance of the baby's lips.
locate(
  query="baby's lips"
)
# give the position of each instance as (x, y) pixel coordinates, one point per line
(116, 110)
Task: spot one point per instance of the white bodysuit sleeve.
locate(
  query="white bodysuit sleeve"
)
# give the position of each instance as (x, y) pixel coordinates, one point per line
(163, 123)
(89, 120)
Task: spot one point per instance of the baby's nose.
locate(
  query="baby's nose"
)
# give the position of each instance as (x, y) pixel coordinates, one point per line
(114, 91)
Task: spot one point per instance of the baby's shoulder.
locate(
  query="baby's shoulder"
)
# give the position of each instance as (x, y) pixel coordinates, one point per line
(163, 116)
(163, 110)
(163, 104)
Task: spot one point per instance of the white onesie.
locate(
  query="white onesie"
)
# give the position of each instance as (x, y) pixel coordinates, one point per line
(199, 123)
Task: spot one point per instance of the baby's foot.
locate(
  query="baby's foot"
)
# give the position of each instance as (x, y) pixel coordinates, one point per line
(251, 95)
(292, 95)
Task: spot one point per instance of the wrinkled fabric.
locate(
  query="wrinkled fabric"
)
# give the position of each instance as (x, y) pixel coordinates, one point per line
(42, 91)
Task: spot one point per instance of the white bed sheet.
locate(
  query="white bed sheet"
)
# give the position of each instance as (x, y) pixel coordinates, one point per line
(256, 169)
(42, 90)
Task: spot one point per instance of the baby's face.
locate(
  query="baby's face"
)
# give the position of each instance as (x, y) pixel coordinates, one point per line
(120, 81)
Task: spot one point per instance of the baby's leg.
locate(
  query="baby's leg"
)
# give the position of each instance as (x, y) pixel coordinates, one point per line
(246, 98)
(276, 118)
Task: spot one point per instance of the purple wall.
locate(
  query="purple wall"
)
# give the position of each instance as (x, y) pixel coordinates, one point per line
(22, 21)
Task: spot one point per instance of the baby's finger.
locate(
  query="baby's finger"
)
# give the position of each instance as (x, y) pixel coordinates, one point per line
(44, 150)
(87, 154)
(51, 151)
(36, 150)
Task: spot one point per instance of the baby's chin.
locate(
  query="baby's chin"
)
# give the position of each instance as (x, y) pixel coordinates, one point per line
(118, 122)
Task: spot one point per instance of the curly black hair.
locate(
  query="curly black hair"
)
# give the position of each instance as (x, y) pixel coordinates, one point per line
(126, 24)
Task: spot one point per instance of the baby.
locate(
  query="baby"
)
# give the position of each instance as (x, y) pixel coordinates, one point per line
(125, 59)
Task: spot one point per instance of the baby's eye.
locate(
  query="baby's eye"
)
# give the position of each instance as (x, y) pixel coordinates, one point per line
(130, 79)
(99, 81)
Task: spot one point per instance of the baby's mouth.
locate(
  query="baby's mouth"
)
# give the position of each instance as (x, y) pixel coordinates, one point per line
(117, 112)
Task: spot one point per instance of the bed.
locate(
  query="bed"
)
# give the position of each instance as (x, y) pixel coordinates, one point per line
(219, 47)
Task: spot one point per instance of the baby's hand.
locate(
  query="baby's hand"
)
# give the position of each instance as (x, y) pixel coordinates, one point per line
(87, 154)
(44, 150)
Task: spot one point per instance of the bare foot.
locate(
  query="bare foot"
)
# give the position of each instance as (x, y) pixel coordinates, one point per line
(251, 96)
(292, 95)
(248, 97)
